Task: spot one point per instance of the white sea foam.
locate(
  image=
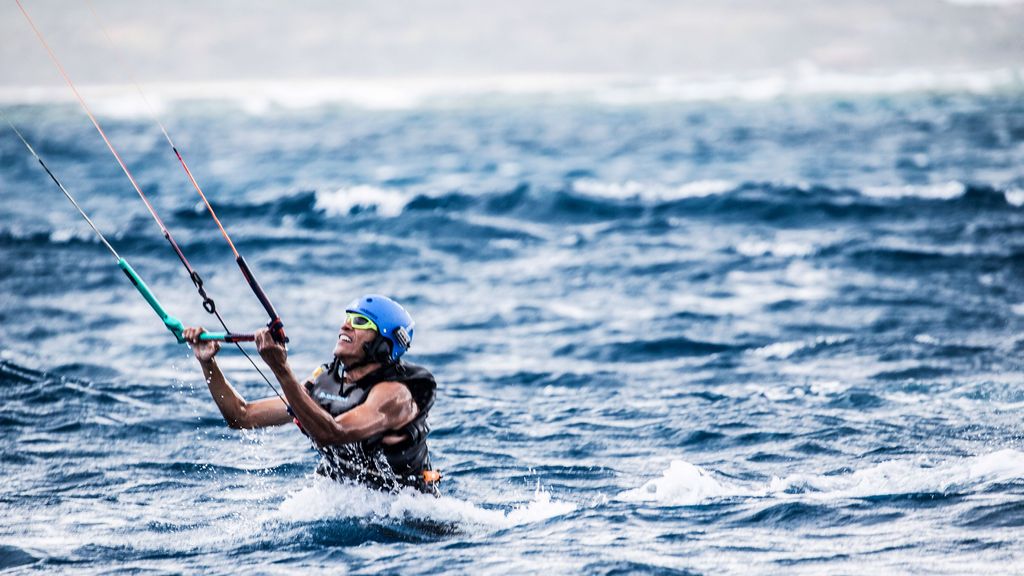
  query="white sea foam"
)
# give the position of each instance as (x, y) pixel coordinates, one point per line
(387, 202)
(779, 349)
(943, 191)
(651, 192)
(684, 484)
(398, 93)
(910, 476)
(326, 499)
(1014, 197)
(805, 80)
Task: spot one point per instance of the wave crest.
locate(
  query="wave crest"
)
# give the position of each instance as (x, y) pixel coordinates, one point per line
(685, 484)
(652, 192)
(386, 202)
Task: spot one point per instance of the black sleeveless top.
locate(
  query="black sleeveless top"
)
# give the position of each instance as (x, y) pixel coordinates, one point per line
(372, 462)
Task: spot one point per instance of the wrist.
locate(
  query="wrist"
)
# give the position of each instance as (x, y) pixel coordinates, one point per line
(283, 372)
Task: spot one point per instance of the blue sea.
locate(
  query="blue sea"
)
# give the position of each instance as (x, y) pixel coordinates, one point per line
(776, 331)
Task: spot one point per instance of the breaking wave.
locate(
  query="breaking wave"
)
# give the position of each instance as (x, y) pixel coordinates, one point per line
(685, 484)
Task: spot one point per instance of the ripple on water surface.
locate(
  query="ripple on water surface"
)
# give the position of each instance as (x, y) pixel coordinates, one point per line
(690, 337)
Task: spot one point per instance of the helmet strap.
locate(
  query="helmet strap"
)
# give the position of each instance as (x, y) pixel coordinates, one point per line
(377, 351)
(336, 369)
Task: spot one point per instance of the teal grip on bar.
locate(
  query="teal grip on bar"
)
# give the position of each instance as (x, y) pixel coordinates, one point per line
(172, 323)
(233, 337)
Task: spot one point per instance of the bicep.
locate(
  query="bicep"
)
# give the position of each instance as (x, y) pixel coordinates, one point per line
(388, 407)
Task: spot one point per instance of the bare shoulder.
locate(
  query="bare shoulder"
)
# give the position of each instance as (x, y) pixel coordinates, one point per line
(394, 401)
(387, 392)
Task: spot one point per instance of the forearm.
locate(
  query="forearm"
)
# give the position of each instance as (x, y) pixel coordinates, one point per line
(316, 421)
(231, 404)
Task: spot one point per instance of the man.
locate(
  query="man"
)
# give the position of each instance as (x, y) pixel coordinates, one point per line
(366, 411)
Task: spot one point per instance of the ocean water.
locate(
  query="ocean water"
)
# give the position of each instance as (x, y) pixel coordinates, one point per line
(777, 332)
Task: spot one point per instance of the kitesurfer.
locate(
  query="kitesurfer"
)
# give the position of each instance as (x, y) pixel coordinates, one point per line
(366, 411)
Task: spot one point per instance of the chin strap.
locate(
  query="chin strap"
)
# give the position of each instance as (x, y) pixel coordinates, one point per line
(337, 369)
(340, 368)
(376, 351)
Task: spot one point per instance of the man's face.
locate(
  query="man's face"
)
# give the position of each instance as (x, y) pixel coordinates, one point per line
(349, 348)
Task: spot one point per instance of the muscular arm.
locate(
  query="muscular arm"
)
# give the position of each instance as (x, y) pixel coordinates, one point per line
(389, 405)
(234, 408)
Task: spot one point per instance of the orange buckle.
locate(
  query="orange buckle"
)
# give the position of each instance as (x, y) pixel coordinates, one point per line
(431, 476)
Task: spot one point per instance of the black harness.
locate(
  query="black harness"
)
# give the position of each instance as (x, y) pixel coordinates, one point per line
(371, 461)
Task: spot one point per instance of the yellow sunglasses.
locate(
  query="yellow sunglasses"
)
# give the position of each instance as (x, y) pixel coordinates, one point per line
(360, 322)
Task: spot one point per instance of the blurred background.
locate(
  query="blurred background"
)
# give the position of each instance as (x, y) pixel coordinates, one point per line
(195, 41)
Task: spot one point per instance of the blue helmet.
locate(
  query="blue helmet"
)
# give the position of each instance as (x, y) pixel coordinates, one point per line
(394, 325)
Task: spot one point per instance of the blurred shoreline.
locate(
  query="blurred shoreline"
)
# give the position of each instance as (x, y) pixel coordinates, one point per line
(402, 93)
